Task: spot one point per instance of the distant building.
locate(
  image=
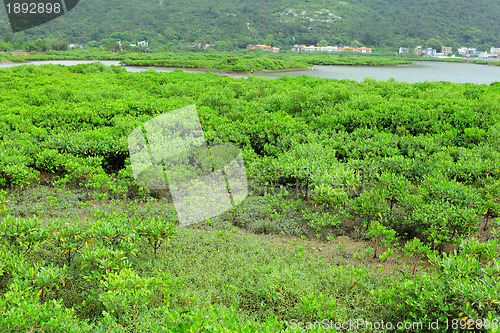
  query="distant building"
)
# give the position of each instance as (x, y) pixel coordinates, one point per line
(328, 48)
(495, 51)
(263, 47)
(312, 48)
(404, 50)
(446, 49)
(205, 46)
(462, 51)
(71, 46)
(356, 49)
(143, 43)
(201, 45)
(429, 52)
(417, 50)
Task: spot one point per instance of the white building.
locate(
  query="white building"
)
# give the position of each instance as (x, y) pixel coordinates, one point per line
(495, 51)
(466, 51)
(328, 48)
(143, 43)
(311, 48)
(404, 50)
(356, 49)
(462, 51)
(429, 52)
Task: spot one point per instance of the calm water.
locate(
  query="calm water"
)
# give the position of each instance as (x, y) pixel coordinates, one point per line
(419, 72)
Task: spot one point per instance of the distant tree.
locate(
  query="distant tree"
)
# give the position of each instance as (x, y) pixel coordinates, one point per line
(433, 43)
(355, 43)
(323, 43)
(471, 35)
(222, 45)
(160, 39)
(111, 47)
(92, 43)
(57, 44)
(120, 35)
(30, 47)
(7, 37)
(372, 38)
(41, 45)
(269, 40)
(168, 46)
(6, 46)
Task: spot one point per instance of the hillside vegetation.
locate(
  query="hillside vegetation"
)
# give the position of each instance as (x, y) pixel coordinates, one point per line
(234, 24)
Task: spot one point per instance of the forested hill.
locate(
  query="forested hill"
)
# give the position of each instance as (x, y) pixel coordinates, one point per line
(374, 23)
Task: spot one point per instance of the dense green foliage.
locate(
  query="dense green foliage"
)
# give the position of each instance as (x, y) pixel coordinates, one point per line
(251, 61)
(230, 24)
(413, 168)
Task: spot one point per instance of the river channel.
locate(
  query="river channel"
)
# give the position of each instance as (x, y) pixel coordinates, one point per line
(420, 71)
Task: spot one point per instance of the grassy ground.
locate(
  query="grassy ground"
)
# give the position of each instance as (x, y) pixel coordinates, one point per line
(217, 263)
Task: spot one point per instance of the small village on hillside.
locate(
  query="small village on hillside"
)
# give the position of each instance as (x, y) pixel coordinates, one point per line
(444, 52)
(447, 51)
(311, 48)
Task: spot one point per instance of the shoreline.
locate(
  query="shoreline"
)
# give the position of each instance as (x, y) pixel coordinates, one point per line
(184, 68)
(225, 72)
(478, 61)
(205, 69)
(259, 71)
